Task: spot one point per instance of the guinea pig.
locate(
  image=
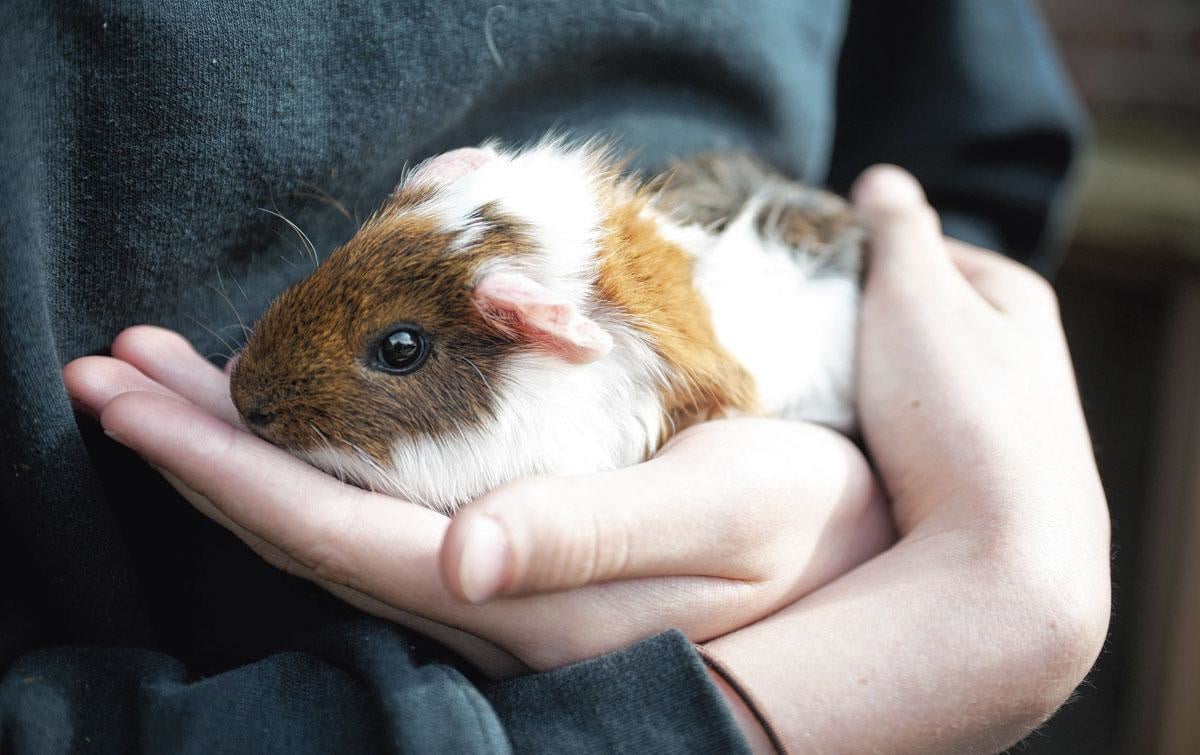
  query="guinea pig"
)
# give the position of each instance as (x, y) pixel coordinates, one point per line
(537, 312)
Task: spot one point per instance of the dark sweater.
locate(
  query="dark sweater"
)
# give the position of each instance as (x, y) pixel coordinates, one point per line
(138, 141)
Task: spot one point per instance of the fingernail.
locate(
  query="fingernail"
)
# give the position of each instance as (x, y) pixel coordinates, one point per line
(115, 436)
(484, 564)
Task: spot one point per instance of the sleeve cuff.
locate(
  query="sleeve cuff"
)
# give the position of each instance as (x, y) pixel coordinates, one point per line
(655, 696)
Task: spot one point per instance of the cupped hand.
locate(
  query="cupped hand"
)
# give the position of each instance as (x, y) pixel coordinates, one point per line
(993, 604)
(733, 520)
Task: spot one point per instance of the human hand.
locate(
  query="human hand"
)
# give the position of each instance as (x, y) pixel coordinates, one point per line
(994, 603)
(732, 521)
(990, 609)
(966, 389)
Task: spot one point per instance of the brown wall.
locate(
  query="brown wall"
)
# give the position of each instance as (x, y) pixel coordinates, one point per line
(1129, 55)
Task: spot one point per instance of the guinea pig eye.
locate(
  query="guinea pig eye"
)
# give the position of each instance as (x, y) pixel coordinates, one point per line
(402, 350)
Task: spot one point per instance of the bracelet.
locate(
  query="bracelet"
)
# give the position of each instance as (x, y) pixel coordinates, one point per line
(723, 671)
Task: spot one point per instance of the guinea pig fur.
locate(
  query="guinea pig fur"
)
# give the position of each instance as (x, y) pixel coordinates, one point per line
(536, 312)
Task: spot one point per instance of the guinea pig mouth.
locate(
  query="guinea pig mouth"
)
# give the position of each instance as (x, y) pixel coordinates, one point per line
(259, 417)
(274, 427)
(259, 420)
(258, 413)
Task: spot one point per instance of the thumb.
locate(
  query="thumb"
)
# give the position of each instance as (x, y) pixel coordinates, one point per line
(722, 501)
(549, 534)
(907, 246)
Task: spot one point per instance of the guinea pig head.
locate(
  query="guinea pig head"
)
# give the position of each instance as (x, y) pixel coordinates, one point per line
(454, 343)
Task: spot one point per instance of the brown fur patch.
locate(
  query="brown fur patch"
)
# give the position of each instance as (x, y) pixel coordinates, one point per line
(712, 188)
(651, 279)
(802, 227)
(309, 361)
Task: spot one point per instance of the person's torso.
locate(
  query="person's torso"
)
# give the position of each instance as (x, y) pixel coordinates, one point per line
(180, 143)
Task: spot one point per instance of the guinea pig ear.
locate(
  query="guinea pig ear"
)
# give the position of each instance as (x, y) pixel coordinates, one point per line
(450, 166)
(522, 308)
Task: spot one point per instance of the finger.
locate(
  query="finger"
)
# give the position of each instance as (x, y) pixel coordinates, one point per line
(339, 533)
(720, 502)
(92, 382)
(907, 247)
(1006, 284)
(167, 357)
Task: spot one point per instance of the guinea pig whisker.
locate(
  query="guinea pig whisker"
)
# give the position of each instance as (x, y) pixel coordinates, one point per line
(322, 436)
(241, 290)
(339, 469)
(285, 259)
(215, 334)
(316, 192)
(477, 371)
(303, 253)
(308, 244)
(224, 295)
(366, 459)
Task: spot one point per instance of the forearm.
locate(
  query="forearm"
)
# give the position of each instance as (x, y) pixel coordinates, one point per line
(948, 643)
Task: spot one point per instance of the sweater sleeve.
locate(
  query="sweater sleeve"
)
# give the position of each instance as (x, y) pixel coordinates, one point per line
(361, 687)
(971, 98)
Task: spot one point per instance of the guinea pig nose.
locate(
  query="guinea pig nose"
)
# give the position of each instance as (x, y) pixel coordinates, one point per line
(258, 416)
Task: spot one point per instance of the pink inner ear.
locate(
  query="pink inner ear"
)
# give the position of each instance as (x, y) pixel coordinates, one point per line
(520, 307)
(451, 166)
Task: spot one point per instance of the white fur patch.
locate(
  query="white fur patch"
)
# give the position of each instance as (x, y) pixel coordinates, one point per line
(553, 188)
(794, 330)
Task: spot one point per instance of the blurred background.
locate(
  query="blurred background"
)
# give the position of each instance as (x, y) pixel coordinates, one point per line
(1130, 291)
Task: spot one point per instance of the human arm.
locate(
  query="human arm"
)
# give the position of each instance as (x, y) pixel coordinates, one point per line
(993, 605)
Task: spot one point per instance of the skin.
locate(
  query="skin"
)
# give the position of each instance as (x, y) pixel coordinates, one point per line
(994, 603)
(965, 634)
